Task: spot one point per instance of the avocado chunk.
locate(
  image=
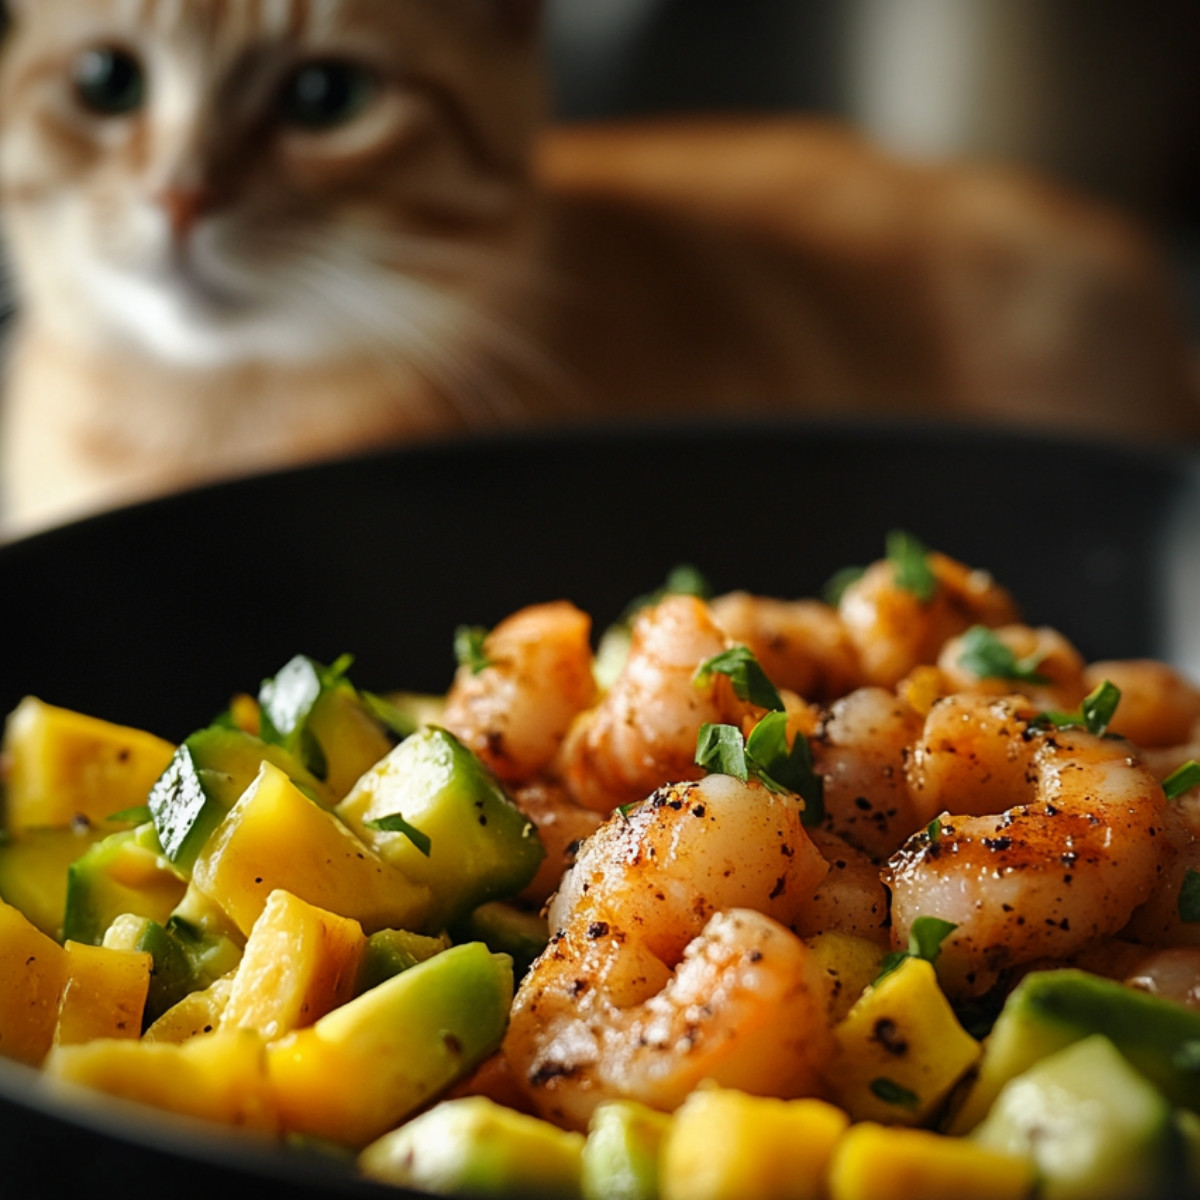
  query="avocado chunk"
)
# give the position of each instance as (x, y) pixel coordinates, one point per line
(33, 871)
(317, 715)
(480, 846)
(1092, 1125)
(1048, 1010)
(205, 779)
(505, 929)
(390, 951)
(475, 1146)
(123, 873)
(621, 1154)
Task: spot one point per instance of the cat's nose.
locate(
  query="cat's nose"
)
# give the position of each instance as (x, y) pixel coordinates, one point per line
(185, 206)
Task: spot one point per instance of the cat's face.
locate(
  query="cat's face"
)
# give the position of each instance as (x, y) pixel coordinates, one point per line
(221, 181)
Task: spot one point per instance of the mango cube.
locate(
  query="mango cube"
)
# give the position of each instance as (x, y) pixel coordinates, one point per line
(105, 993)
(33, 978)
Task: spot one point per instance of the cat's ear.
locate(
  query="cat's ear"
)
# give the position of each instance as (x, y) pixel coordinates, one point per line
(519, 16)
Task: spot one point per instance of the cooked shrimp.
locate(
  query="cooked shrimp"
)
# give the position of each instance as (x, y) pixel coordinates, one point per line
(1049, 654)
(1173, 974)
(562, 826)
(643, 733)
(672, 963)
(1159, 707)
(860, 748)
(894, 630)
(802, 645)
(851, 898)
(514, 712)
(1159, 922)
(1079, 846)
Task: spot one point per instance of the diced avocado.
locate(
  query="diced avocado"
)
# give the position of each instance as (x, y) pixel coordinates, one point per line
(390, 951)
(124, 873)
(506, 929)
(316, 714)
(1048, 1010)
(481, 846)
(620, 1156)
(186, 959)
(33, 871)
(1093, 1126)
(376, 1060)
(477, 1147)
(204, 780)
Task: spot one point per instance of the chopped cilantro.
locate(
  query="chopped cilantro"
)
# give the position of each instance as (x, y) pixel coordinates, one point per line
(925, 940)
(891, 1092)
(933, 831)
(395, 823)
(750, 682)
(721, 751)
(1189, 898)
(1094, 713)
(987, 657)
(1182, 779)
(910, 565)
(468, 648)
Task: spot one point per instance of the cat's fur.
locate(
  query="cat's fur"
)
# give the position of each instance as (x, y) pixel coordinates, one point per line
(204, 292)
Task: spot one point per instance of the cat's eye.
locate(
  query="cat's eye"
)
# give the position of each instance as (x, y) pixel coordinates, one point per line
(320, 95)
(109, 81)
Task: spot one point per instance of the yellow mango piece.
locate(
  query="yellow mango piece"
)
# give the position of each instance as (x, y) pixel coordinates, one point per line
(723, 1144)
(851, 963)
(276, 837)
(217, 1077)
(366, 1066)
(300, 962)
(900, 1049)
(63, 764)
(105, 993)
(33, 973)
(197, 1013)
(872, 1162)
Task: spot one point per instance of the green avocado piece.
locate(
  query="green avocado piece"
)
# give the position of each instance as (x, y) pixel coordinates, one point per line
(1092, 1126)
(480, 846)
(1048, 1010)
(123, 873)
(477, 1147)
(390, 951)
(620, 1157)
(205, 779)
(505, 929)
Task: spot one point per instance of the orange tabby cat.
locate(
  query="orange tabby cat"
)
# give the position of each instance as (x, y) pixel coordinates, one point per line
(246, 233)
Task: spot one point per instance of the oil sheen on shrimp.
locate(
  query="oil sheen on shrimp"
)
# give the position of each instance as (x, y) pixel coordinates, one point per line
(643, 733)
(672, 961)
(1074, 842)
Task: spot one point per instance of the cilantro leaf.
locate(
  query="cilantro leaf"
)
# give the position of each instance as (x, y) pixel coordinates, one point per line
(910, 565)
(1189, 897)
(925, 940)
(987, 657)
(1094, 714)
(468, 648)
(750, 682)
(721, 751)
(1182, 779)
(395, 823)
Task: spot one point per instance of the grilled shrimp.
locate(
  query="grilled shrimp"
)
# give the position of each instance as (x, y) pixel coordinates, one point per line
(643, 733)
(1073, 841)
(514, 712)
(894, 630)
(1159, 708)
(671, 960)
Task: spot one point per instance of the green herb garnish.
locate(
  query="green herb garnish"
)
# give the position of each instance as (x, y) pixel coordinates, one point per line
(720, 750)
(987, 657)
(891, 1092)
(1189, 898)
(933, 831)
(395, 823)
(910, 565)
(750, 682)
(468, 648)
(1182, 779)
(682, 580)
(1094, 713)
(925, 940)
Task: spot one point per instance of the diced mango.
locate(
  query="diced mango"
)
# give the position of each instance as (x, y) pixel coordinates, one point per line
(104, 995)
(197, 1013)
(63, 764)
(366, 1066)
(217, 1077)
(723, 1144)
(32, 980)
(900, 1049)
(872, 1162)
(33, 871)
(852, 964)
(276, 837)
(300, 962)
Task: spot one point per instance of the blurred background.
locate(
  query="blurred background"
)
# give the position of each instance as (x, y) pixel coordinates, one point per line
(1103, 95)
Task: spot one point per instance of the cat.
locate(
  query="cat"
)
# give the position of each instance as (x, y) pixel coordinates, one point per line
(251, 233)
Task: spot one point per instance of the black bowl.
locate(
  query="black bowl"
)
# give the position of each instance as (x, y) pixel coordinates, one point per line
(155, 615)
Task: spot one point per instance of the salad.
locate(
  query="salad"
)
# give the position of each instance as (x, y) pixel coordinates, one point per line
(875, 894)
